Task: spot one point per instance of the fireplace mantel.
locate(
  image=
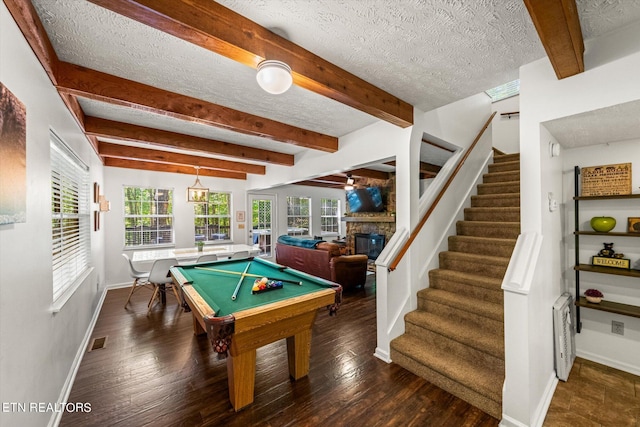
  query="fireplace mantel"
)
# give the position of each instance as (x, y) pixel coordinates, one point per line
(368, 218)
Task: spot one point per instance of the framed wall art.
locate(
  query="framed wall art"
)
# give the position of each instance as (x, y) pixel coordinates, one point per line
(13, 158)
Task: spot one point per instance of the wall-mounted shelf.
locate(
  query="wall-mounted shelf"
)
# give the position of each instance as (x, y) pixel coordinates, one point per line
(611, 307)
(619, 197)
(607, 270)
(597, 233)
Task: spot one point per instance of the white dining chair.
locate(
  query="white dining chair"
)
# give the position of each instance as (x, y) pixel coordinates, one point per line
(159, 276)
(207, 258)
(241, 254)
(140, 278)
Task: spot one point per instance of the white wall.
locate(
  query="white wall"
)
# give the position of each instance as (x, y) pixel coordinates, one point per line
(183, 214)
(609, 79)
(506, 130)
(596, 342)
(38, 348)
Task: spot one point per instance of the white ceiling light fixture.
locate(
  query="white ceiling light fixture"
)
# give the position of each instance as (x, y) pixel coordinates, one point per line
(197, 193)
(348, 186)
(274, 76)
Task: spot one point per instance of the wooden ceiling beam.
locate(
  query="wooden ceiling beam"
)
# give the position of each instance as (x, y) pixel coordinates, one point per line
(136, 153)
(369, 173)
(558, 26)
(338, 179)
(91, 84)
(429, 168)
(127, 132)
(30, 25)
(214, 27)
(171, 168)
(440, 146)
(320, 184)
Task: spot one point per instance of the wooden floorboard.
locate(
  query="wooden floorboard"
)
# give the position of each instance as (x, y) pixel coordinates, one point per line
(154, 371)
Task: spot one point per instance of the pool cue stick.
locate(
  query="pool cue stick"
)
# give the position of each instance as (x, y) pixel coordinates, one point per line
(237, 273)
(235, 293)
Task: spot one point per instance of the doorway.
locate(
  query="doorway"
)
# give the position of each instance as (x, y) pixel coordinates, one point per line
(262, 219)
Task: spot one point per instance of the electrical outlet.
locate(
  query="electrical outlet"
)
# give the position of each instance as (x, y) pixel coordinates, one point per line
(617, 327)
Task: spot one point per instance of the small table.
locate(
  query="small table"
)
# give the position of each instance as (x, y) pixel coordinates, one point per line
(238, 327)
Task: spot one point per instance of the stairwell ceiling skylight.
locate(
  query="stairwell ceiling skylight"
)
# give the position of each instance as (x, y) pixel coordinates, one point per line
(504, 91)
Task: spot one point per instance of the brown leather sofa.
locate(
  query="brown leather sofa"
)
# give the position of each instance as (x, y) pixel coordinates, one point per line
(326, 262)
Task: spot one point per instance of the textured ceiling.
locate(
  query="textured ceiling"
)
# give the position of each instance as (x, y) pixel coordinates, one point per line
(426, 52)
(612, 124)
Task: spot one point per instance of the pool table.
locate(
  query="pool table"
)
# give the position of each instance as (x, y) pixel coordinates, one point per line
(238, 326)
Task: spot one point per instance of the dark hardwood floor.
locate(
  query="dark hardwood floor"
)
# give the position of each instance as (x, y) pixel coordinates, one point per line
(154, 371)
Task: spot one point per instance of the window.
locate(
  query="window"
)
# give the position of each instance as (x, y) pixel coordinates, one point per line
(70, 217)
(213, 219)
(148, 216)
(330, 216)
(298, 216)
(504, 91)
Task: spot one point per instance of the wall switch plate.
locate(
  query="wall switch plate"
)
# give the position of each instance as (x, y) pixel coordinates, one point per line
(617, 327)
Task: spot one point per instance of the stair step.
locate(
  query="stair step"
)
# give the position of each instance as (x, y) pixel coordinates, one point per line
(485, 265)
(496, 200)
(504, 158)
(499, 187)
(459, 376)
(501, 176)
(479, 287)
(482, 245)
(504, 230)
(504, 166)
(484, 314)
(496, 214)
(456, 337)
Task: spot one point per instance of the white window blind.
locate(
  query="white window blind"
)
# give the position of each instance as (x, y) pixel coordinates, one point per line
(70, 216)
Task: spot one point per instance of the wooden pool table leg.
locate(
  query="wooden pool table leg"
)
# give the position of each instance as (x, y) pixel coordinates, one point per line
(298, 353)
(241, 370)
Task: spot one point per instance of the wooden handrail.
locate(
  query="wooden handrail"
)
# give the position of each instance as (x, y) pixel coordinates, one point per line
(426, 216)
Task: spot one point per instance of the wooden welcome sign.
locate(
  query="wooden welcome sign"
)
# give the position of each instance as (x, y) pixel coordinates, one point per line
(606, 180)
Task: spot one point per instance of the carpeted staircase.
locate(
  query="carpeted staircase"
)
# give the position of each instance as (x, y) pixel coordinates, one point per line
(455, 339)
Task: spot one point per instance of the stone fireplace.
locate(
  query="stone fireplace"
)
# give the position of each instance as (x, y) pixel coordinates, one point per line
(373, 223)
(369, 244)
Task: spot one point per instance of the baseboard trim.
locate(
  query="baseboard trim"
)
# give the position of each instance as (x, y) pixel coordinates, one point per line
(118, 285)
(507, 421)
(541, 411)
(635, 370)
(56, 416)
(382, 355)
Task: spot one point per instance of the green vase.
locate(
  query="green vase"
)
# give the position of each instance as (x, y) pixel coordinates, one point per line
(603, 224)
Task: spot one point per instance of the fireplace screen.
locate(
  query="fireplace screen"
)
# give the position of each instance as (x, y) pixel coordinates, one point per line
(369, 244)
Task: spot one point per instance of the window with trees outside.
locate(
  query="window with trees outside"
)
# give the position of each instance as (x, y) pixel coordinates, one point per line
(148, 216)
(298, 216)
(213, 219)
(330, 216)
(70, 216)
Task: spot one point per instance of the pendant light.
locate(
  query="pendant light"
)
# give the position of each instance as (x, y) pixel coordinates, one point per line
(197, 193)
